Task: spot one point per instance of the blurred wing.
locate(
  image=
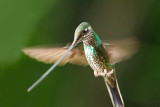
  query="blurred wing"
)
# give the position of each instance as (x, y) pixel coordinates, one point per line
(51, 55)
(121, 49)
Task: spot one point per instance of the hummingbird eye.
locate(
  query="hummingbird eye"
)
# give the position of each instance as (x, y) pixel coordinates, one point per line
(85, 31)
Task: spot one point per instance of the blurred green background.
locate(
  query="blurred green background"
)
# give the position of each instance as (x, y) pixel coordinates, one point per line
(25, 23)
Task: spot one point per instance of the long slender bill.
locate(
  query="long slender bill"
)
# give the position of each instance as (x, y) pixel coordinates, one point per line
(50, 69)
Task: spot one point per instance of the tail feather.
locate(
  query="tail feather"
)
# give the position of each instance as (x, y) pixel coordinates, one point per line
(114, 93)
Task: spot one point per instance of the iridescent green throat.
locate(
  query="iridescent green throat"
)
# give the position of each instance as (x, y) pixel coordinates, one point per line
(92, 44)
(94, 47)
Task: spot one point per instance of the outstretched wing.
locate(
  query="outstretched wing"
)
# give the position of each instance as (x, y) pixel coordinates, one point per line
(121, 49)
(51, 55)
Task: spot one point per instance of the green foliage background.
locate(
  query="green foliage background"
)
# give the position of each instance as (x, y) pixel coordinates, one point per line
(25, 23)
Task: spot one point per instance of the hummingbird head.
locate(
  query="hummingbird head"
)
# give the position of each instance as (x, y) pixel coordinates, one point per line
(83, 32)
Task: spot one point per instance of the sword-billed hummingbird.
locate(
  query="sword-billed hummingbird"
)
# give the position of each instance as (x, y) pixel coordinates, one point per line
(102, 57)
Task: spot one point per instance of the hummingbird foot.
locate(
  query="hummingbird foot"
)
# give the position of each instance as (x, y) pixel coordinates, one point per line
(96, 73)
(103, 74)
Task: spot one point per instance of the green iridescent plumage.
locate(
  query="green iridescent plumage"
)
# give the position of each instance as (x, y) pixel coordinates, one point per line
(102, 57)
(98, 59)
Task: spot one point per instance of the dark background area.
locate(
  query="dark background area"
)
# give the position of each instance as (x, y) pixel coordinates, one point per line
(53, 22)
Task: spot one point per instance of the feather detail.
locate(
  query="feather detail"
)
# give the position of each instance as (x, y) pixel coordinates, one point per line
(51, 55)
(121, 49)
(117, 51)
(114, 93)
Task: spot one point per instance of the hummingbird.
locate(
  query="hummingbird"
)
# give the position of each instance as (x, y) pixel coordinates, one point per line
(100, 56)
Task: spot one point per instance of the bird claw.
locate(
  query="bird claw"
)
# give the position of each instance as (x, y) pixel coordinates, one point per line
(96, 73)
(104, 74)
